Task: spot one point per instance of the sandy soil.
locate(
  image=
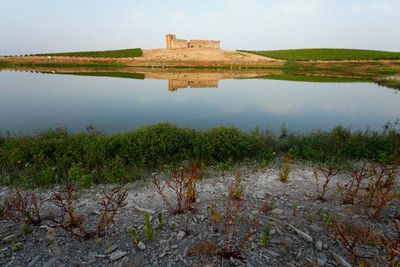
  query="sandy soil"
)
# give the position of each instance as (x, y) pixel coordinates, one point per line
(202, 55)
(165, 58)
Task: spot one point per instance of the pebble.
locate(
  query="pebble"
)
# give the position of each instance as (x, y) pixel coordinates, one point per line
(180, 235)
(117, 255)
(321, 258)
(315, 228)
(51, 262)
(277, 211)
(92, 257)
(272, 253)
(35, 260)
(111, 249)
(318, 245)
(141, 245)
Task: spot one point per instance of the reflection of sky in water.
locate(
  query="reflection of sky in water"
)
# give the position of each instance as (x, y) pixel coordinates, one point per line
(40, 101)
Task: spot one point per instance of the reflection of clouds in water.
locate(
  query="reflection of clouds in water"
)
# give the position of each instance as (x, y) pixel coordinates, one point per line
(296, 97)
(34, 101)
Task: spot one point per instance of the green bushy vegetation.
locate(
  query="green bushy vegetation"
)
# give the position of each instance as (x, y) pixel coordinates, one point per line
(56, 156)
(133, 52)
(328, 54)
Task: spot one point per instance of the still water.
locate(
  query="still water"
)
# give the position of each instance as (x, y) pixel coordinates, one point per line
(34, 101)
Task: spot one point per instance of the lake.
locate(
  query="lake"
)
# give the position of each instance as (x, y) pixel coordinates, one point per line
(36, 101)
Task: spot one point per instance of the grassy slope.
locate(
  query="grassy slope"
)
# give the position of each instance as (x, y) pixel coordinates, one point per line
(328, 54)
(134, 52)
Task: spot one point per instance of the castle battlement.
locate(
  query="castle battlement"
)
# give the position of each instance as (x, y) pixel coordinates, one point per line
(173, 43)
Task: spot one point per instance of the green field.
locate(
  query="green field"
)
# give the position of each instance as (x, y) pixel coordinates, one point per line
(134, 52)
(328, 54)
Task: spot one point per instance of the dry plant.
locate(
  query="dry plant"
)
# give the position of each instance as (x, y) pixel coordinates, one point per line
(22, 206)
(267, 207)
(353, 235)
(233, 244)
(381, 188)
(183, 185)
(328, 171)
(71, 221)
(203, 250)
(392, 244)
(352, 188)
(208, 248)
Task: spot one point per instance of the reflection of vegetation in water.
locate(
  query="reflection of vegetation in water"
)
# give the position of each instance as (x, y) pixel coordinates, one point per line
(309, 78)
(328, 54)
(134, 52)
(139, 76)
(50, 157)
(389, 83)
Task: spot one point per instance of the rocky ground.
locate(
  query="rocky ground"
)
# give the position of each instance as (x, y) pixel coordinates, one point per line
(298, 227)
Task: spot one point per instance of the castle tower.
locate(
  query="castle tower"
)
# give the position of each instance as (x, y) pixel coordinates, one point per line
(169, 39)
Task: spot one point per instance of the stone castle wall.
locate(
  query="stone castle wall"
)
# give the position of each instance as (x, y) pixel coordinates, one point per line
(178, 44)
(174, 85)
(173, 43)
(204, 44)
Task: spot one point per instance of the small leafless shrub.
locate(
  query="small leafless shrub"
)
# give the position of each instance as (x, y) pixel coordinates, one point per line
(183, 185)
(71, 221)
(352, 188)
(327, 171)
(353, 235)
(22, 206)
(392, 245)
(381, 188)
(234, 242)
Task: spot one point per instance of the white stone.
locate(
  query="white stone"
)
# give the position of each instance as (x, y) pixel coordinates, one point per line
(180, 235)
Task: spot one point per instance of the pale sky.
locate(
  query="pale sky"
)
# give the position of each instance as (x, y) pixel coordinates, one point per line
(28, 26)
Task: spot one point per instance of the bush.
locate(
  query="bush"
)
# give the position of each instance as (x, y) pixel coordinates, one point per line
(50, 156)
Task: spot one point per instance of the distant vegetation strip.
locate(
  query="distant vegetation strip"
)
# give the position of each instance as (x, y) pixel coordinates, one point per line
(328, 54)
(133, 52)
(310, 78)
(56, 156)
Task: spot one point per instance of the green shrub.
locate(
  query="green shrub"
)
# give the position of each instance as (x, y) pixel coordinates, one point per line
(149, 233)
(134, 235)
(265, 236)
(93, 157)
(77, 175)
(285, 168)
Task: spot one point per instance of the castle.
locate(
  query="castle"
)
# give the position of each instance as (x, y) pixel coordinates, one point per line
(173, 43)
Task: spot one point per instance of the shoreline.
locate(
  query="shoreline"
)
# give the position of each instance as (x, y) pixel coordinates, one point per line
(300, 230)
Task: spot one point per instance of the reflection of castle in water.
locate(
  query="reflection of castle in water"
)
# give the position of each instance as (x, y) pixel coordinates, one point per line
(174, 85)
